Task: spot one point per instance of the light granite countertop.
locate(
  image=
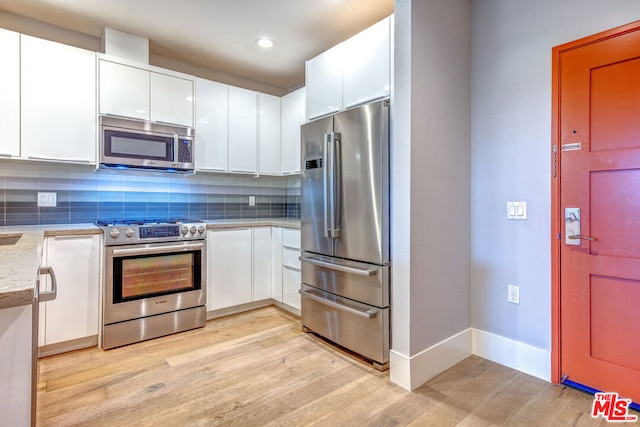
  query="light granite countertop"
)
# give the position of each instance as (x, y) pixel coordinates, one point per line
(20, 263)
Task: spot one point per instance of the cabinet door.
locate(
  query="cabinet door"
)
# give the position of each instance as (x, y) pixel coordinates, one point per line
(9, 93)
(243, 130)
(276, 262)
(324, 83)
(212, 124)
(124, 90)
(269, 140)
(291, 279)
(58, 89)
(366, 66)
(229, 274)
(76, 263)
(261, 263)
(171, 100)
(292, 107)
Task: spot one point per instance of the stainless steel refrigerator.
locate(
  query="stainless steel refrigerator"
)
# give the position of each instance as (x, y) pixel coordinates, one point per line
(345, 230)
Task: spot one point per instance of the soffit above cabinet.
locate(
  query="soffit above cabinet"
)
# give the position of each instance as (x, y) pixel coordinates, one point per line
(220, 34)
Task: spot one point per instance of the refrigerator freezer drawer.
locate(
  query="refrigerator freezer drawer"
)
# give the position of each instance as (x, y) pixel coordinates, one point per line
(361, 328)
(368, 283)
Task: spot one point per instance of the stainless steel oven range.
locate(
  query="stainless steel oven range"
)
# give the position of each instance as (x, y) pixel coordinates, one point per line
(155, 279)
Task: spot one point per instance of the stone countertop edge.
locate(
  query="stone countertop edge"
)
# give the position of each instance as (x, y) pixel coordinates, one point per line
(20, 263)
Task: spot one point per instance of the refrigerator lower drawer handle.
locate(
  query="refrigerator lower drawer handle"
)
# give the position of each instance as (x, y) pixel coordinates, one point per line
(338, 267)
(369, 314)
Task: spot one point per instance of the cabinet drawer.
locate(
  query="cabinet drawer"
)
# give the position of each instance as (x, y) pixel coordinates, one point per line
(290, 258)
(291, 237)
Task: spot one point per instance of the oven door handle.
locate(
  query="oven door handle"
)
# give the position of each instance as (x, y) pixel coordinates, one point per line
(158, 250)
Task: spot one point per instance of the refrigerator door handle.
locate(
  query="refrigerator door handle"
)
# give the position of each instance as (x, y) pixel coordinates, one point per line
(325, 183)
(335, 184)
(338, 267)
(368, 314)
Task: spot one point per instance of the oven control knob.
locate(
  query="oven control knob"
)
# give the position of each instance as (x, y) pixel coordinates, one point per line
(185, 229)
(193, 229)
(114, 233)
(201, 229)
(130, 232)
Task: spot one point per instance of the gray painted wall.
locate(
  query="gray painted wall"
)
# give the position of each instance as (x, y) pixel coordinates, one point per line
(510, 152)
(430, 173)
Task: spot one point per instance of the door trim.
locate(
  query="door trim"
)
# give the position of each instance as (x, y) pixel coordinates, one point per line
(556, 214)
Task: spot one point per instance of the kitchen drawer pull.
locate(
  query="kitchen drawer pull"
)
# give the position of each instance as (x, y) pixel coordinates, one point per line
(162, 249)
(6, 155)
(53, 293)
(369, 314)
(338, 267)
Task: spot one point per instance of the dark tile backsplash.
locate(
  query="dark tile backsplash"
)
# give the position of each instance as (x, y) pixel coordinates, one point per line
(85, 196)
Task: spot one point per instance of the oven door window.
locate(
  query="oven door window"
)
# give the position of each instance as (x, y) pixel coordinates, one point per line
(147, 276)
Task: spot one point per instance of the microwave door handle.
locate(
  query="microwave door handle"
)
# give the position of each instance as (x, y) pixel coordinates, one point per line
(176, 149)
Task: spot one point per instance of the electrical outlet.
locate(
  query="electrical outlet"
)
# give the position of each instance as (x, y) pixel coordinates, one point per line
(514, 294)
(49, 200)
(252, 200)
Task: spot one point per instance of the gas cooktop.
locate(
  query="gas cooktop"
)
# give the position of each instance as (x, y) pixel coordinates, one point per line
(116, 222)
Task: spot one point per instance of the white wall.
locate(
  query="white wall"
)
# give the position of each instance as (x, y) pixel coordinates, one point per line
(430, 184)
(510, 153)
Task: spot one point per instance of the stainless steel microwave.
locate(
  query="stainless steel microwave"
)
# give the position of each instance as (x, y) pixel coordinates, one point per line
(126, 143)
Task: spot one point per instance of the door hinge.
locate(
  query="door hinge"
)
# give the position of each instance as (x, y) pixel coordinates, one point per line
(559, 236)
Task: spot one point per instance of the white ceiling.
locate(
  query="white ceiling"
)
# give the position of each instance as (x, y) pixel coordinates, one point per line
(220, 34)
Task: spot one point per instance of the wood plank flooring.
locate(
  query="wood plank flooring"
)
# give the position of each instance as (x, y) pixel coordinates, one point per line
(259, 369)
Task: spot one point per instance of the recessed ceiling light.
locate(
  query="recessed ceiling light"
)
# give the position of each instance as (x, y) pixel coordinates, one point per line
(265, 42)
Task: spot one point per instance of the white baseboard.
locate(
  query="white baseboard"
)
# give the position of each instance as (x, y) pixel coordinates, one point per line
(411, 372)
(514, 354)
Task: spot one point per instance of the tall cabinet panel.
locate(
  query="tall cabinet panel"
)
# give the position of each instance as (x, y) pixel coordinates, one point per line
(243, 130)
(261, 263)
(124, 90)
(212, 125)
(292, 117)
(58, 108)
(269, 141)
(324, 83)
(9, 93)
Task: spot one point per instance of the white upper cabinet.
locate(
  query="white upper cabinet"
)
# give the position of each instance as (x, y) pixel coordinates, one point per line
(9, 93)
(324, 83)
(292, 117)
(269, 140)
(58, 105)
(171, 100)
(124, 90)
(243, 130)
(138, 93)
(351, 73)
(212, 126)
(366, 66)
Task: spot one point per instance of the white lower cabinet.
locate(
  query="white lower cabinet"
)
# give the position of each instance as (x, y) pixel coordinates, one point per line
(261, 263)
(74, 314)
(229, 259)
(286, 276)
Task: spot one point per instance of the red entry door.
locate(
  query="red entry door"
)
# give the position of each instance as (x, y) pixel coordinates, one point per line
(599, 137)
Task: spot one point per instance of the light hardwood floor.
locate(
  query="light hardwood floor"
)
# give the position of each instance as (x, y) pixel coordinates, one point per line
(259, 369)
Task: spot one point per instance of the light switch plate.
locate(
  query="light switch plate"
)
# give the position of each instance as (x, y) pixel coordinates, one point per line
(516, 210)
(47, 200)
